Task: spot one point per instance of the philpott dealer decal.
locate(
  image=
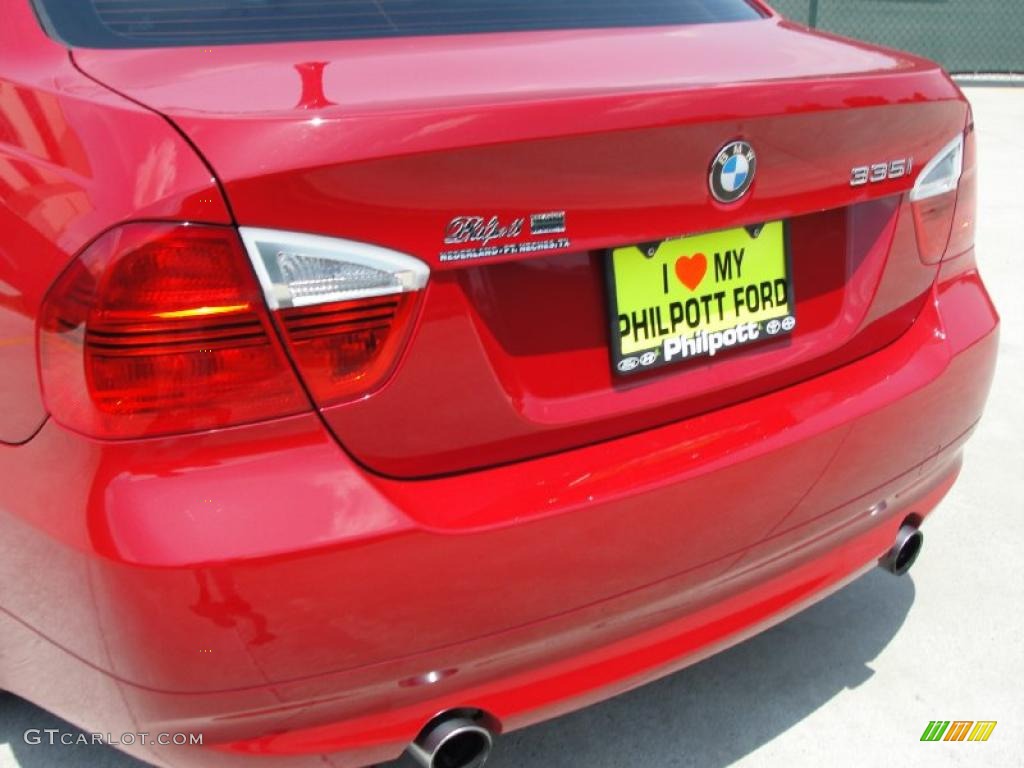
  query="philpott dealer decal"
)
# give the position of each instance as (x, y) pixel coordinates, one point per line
(698, 296)
(486, 236)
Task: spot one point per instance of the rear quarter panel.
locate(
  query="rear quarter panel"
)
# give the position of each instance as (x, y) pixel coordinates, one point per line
(75, 159)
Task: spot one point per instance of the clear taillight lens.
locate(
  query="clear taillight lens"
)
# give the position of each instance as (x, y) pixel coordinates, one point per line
(942, 174)
(345, 309)
(161, 328)
(961, 236)
(934, 198)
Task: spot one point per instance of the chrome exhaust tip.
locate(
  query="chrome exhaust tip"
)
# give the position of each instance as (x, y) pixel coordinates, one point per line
(453, 740)
(905, 550)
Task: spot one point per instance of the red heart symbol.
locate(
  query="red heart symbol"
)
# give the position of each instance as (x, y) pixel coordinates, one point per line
(691, 270)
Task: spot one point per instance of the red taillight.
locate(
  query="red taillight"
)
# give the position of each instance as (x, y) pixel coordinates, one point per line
(347, 348)
(944, 201)
(159, 329)
(933, 219)
(961, 235)
(345, 309)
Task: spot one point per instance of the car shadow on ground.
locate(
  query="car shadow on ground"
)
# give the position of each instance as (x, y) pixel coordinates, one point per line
(709, 715)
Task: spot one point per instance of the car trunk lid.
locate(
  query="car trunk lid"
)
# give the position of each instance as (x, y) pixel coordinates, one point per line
(470, 152)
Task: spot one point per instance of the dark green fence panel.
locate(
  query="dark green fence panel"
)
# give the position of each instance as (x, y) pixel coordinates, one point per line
(963, 35)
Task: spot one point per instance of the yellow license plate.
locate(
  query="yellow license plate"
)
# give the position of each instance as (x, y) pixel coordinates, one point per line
(699, 297)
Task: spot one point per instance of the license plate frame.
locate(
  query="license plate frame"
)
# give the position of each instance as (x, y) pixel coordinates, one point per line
(708, 340)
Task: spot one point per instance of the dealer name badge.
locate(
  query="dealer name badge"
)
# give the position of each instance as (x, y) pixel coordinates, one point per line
(480, 237)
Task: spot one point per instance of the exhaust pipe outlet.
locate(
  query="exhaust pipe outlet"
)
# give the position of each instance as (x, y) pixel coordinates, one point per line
(452, 740)
(905, 550)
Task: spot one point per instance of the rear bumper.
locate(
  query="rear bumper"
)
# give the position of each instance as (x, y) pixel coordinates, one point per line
(255, 586)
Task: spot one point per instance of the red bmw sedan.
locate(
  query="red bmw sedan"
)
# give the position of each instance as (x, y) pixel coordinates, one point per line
(389, 375)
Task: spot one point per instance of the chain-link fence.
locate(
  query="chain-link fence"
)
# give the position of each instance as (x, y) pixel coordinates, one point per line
(963, 35)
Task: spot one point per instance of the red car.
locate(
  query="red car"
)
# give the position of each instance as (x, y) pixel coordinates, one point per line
(391, 375)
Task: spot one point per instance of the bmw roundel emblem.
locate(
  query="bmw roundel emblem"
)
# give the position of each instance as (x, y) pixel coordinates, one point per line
(733, 171)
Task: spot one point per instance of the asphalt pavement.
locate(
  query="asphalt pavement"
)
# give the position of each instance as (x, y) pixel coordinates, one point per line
(854, 680)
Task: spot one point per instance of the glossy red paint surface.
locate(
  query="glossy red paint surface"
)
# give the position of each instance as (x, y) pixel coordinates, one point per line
(216, 624)
(64, 139)
(391, 141)
(280, 586)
